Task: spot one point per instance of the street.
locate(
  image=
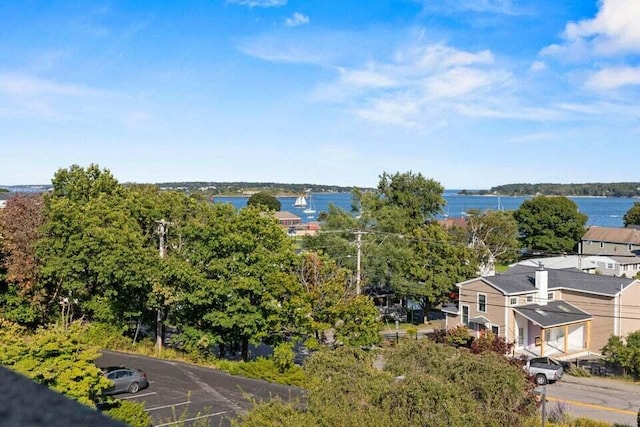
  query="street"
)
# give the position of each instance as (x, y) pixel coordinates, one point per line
(181, 391)
(597, 398)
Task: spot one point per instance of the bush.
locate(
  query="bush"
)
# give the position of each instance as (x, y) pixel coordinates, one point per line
(264, 369)
(491, 342)
(130, 413)
(106, 336)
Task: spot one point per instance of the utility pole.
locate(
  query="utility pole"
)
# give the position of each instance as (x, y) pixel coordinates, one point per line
(358, 259)
(162, 231)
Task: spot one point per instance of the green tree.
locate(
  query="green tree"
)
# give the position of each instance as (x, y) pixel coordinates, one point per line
(333, 303)
(403, 251)
(248, 291)
(92, 250)
(632, 216)
(626, 354)
(550, 223)
(264, 199)
(493, 235)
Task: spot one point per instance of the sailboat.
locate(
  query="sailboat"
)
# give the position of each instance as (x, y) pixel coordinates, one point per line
(311, 209)
(300, 202)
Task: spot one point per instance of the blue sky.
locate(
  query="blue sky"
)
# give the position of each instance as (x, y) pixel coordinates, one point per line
(472, 93)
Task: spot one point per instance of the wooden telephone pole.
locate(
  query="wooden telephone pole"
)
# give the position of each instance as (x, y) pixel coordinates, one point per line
(358, 260)
(162, 232)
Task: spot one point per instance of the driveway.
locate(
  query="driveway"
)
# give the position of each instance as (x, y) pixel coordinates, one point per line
(181, 391)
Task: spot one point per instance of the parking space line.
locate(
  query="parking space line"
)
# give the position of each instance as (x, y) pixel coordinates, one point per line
(168, 406)
(191, 419)
(135, 396)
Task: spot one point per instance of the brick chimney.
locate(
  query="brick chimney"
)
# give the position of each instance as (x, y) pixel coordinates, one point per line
(542, 284)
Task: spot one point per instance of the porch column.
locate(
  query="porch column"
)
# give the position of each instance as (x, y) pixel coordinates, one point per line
(542, 339)
(566, 338)
(588, 339)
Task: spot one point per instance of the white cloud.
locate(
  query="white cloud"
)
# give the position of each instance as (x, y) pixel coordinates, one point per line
(418, 87)
(537, 66)
(613, 78)
(259, 3)
(297, 19)
(613, 31)
(29, 96)
(24, 85)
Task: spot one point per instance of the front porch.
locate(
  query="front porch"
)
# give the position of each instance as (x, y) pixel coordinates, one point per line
(557, 329)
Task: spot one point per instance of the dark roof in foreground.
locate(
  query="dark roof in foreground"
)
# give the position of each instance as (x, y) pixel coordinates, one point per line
(26, 403)
(521, 279)
(554, 313)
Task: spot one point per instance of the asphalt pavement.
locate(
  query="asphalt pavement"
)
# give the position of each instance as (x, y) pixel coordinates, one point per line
(180, 391)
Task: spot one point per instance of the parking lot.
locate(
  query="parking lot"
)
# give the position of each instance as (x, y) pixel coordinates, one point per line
(179, 391)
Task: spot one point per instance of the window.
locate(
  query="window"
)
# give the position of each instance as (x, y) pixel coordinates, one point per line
(495, 330)
(520, 337)
(513, 301)
(465, 315)
(609, 266)
(602, 244)
(550, 296)
(482, 303)
(529, 298)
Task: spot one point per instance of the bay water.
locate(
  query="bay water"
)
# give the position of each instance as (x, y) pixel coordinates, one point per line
(601, 211)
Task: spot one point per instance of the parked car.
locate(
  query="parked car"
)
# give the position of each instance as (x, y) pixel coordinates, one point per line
(544, 370)
(125, 380)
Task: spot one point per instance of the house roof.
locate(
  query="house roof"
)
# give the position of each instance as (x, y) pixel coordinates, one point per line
(285, 215)
(521, 279)
(612, 235)
(554, 313)
(453, 222)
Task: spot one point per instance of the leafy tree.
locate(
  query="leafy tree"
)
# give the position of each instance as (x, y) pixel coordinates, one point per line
(632, 216)
(247, 291)
(334, 304)
(550, 223)
(403, 251)
(494, 235)
(264, 199)
(92, 250)
(626, 354)
(23, 298)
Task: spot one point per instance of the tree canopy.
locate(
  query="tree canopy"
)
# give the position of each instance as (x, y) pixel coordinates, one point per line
(422, 384)
(403, 249)
(632, 216)
(264, 199)
(550, 223)
(494, 235)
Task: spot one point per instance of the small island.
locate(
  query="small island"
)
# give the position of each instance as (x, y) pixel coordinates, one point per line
(615, 189)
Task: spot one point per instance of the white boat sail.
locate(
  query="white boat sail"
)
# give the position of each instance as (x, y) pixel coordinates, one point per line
(311, 209)
(300, 202)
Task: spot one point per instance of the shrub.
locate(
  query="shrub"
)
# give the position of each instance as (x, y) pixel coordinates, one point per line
(130, 413)
(264, 369)
(491, 342)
